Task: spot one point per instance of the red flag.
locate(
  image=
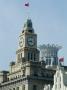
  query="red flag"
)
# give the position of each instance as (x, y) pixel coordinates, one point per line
(27, 4)
(61, 59)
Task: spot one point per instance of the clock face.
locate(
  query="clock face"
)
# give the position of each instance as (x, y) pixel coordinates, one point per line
(21, 41)
(30, 41)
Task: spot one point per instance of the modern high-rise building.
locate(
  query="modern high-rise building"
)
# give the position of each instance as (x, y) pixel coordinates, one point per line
(28, 72)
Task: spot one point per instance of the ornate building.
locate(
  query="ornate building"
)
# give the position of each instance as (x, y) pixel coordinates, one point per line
(60, 79)
(28, 72)
(49, 53)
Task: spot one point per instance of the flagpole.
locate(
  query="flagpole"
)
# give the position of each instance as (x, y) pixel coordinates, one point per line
(27, 9)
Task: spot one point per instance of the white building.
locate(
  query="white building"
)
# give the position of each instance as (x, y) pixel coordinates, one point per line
(60, 79)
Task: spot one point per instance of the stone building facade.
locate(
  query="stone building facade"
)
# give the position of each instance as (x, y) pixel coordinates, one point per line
(60, 78)
(28, 72)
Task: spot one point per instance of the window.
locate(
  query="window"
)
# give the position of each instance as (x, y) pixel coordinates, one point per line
(23, 87)
(8, 79)
(24, 72)
(21, 55)
(60, 85)
(34, 87)
(42, 74)
(17, 88)
(55, 61)
(13, 88)
(49, 61)
(60, 79)
(30, 56)
(55, 86)
(34, 57)
(18, 56)
(35, 73)
(30, 31)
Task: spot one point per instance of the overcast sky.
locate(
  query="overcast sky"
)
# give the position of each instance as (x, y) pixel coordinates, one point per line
(49, 19)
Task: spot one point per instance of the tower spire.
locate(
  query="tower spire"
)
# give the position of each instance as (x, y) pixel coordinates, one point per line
(28, 26)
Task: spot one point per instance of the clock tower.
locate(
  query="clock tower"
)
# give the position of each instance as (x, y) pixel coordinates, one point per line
(27, 50)
(27, 73)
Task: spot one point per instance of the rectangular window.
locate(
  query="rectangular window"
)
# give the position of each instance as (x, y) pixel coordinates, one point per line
(18, 56)
(49, 61)
(35, 73)
(34, 87)
(13, 88)
(21, 55)
(17, 88)
(34, 57)
(30, 56)
(23, 87)
(55, 86)
(24, 72)
(60, 85)
(60, 79)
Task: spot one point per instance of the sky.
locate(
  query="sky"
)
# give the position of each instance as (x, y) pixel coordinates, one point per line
(49, 19)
